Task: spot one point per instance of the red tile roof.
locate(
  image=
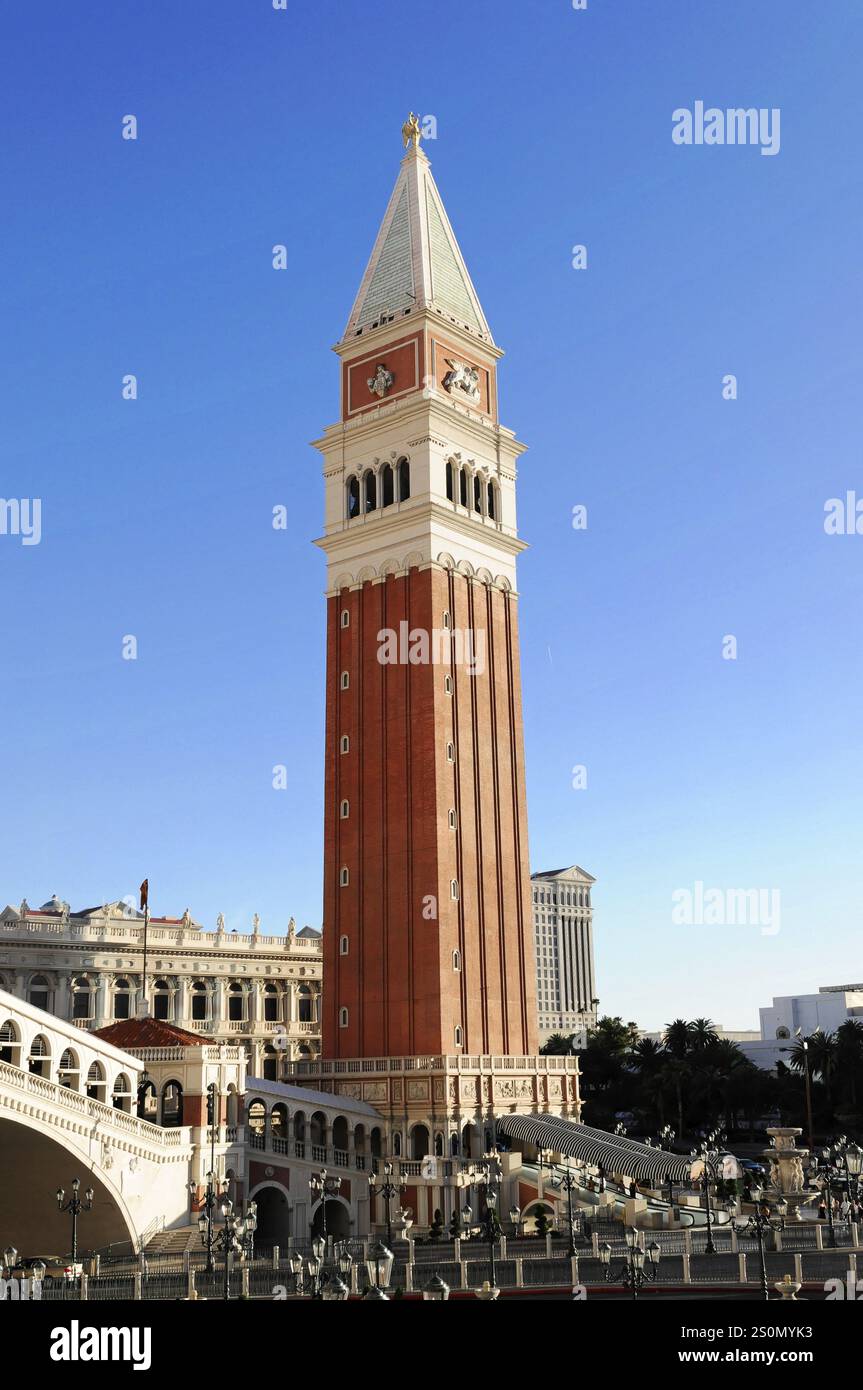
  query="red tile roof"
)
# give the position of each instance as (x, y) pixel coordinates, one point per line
(133, 1033)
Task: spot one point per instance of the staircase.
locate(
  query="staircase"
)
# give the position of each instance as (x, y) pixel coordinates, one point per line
(174, 1242)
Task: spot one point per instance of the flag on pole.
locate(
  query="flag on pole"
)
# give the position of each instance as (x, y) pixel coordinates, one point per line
(145, 893)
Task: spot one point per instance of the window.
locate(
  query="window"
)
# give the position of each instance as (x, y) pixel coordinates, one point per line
(353, 498)
(343, 1018)
(39, 992)
(345, 810)
(453, 889)
(271, 1003)
(404, 480)
(449, 485)
(199, 1000)
(447, 620)
(371, 491)
(450, 753)
(344, 744)
(387, 493)
(122, 999)
(477, 493)
(343, 945)
(457, 1035)
(447, 684)
(344, 877)
(69, 1070)
(452, 820)
(236, 1002)
(456, 960)
(491, 502)
(172, 1104)
(82, 998)
(346, 680)
(346, 618)
(462, 487)
(161, 999)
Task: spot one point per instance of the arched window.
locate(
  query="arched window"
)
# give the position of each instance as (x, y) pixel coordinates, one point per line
(450, 753)
(397, 1144)
(271, 1002)
(345, 680)
(456, 960)
(477, 493)
(454, 1145)
(236, 1002)
(345, 810)
(346, 617)
(375, 1142)
(404, 480)
(344, 877)
(353, 497)
(69, 1073)
(462, 486)
(447, 685)
(39, 993)
(453, 889)
(343, 1018)
(82, 998)
(345, 744)
(279, 1121)
(257, 1115)
(452, 820)
(122, 998)
(305, 1004)
(300, 1126)
(371, 490)
(450, 492)
(96, 1081)
(491, 504)
(271, 1063)
(121, 1096)
(172, 1105)
(39, 1059)
(438, 1144)
(162, 999)
(457, 1035)
(343, 945)
(387, 493)
(148, 1102)
(10, 1044)
(199, 1001)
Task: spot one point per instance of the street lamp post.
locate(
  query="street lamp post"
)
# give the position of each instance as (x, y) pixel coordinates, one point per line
(379, 1267)
(387, 1189)
(761, 1220)
(75, 1206)
(826, 1174)
(711, 1160)
(490, 1225)
(639, 1266)
(325, 1186)
(568, 1183)
(232, 1239)
(205, 1221)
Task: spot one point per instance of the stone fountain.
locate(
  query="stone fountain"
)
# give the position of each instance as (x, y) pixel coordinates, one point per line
(786, 1170)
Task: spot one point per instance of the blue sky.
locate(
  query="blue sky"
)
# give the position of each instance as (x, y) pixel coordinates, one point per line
(705, 516)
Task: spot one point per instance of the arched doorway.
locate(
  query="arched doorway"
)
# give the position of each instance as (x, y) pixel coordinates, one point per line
(338, 1219)
(274, 1218)
(419, 1141)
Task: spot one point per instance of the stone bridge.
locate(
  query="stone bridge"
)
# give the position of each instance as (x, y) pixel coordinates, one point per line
(67, 1103)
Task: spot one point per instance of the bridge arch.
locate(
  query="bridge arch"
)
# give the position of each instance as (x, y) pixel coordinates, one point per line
(38, 1158)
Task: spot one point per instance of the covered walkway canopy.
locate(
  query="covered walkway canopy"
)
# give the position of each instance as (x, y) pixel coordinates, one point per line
(614, 1154)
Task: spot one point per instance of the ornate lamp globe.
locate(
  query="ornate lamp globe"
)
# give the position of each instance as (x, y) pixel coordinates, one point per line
(631, 1237)
(436, 1291)
(10, 1256)
(379, 1266)
(335, 1291)
(654, 1250)
(605, 1253)
(854, 1160)
(638, 1257)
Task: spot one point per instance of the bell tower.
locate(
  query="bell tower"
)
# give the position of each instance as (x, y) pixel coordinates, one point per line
(429, 969)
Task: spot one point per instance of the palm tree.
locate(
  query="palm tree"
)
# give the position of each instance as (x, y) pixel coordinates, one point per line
(677, 1039)
(702, 1033)
(849, 1056)
(558, 1045)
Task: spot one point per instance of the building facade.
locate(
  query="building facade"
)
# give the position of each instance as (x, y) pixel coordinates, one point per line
(86, 967)
(563, 938)
(430, 970)
(792, 1016)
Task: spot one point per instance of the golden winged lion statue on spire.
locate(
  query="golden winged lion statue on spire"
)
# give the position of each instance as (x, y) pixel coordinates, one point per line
(411, 133)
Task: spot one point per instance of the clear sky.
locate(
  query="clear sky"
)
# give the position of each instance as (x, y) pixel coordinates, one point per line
(705, 515)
